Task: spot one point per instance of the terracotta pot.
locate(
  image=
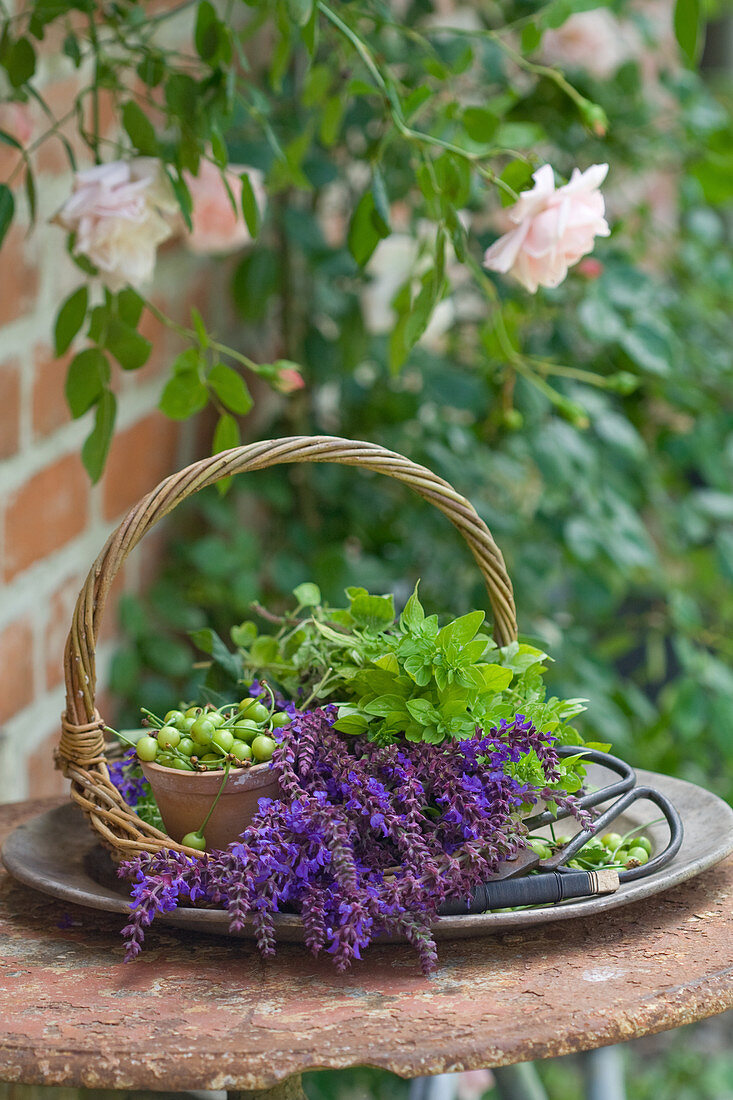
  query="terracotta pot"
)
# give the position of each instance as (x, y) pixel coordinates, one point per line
(184, 799)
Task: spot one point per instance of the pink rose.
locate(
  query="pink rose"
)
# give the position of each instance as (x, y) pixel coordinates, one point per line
(554, 228)
(217, 227)
(120, 213)
(594, 41)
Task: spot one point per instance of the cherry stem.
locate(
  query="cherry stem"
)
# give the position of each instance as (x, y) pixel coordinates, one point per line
(200, 830)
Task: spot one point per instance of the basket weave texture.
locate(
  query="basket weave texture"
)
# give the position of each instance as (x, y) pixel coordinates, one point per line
(81, 750)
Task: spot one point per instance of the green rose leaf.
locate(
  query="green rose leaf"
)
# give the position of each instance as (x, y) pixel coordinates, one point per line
(86, 380)
(139, 129)
(230, 388)
(70, 319)
(96, 446)
(7, 209)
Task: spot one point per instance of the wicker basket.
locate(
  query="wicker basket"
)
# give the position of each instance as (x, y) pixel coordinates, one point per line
(81, 751)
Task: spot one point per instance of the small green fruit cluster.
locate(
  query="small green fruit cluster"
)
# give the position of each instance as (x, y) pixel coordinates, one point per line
(207, 738)
(610, 850)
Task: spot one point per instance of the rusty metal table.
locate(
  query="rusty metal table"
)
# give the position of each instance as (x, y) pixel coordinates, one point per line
(201, 1012)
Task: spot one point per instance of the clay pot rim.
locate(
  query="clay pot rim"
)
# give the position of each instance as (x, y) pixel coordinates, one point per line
(259, 774)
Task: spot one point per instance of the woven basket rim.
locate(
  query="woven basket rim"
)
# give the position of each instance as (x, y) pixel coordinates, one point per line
(81, 751)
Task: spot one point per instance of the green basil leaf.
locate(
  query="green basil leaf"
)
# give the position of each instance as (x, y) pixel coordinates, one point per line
(307, 594)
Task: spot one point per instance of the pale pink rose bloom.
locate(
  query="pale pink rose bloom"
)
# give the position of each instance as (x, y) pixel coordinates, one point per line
(216, 225)
(594, 41)
(554, 228)
(120, 213)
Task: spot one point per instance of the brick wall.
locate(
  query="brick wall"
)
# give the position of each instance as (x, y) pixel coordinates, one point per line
(52, 522)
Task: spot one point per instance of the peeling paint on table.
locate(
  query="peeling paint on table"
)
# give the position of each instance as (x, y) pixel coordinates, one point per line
(207, 1013)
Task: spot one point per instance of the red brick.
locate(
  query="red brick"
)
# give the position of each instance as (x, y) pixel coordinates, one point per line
(50, 410)
(44, 780)
(45, 513)
(20, 277)
(139, 458)
(16, 668)
(56, 628)
(9, 407)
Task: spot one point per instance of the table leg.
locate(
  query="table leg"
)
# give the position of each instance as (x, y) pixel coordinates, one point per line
(603, 1070)
(519, 1082)
(290, 1089)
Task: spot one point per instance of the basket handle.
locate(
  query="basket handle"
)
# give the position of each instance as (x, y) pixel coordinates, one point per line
(82, 740)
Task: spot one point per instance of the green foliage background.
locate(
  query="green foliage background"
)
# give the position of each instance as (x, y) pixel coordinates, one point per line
(614, 509)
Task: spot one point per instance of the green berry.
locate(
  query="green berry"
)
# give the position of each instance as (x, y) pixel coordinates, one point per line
(643, 842)
(640, 855)
(263, 747)
(240, 750)
(280, 719)
(187, 746)
(245, 731)
(195, 840)
(173, 717)
(215, 718)
(182, 765)
(202, 730)
(193, 712)
(223, 739)
(147, 749)
(612, 841)
(185, 724)
(168, 737)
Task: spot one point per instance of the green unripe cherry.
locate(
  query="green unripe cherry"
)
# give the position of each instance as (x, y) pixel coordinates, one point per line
(540, 848)
(182, 765)
(643, 842)
(639, 854)
(147, 749)
(240, 750)
(185, 725)
(253, 710)
(193, 712)
(263, 747)
(187, 746)
(195, 840)
(215, 718)
(280, 719)
(168, 737)
(173, 717)
(201, 730)
(245, 731)
(612, 841)
(223, 739)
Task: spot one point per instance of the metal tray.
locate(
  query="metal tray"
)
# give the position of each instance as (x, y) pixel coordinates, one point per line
(58, 854)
